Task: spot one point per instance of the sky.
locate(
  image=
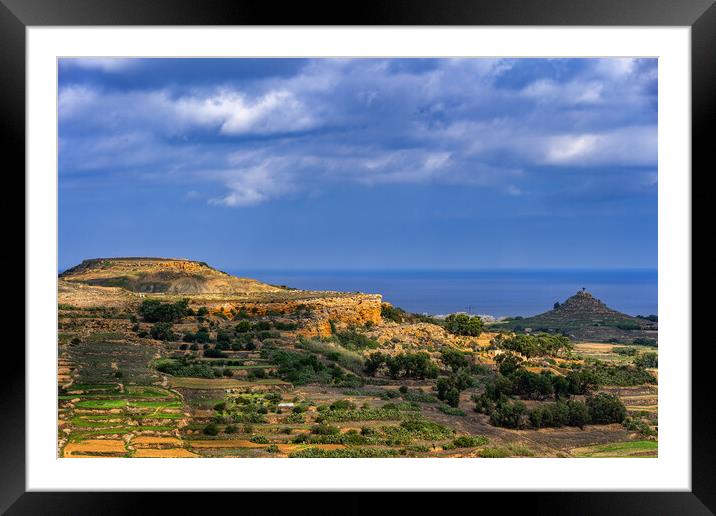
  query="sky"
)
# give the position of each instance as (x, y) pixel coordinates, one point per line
(360, 163)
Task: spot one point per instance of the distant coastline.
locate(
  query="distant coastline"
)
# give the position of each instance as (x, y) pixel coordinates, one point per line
(498, 293)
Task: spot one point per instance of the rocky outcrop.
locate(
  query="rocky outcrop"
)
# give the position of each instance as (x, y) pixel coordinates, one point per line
(316, 313)
(422, 335)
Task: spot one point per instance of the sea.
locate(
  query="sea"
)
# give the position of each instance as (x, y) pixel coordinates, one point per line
(497, 293)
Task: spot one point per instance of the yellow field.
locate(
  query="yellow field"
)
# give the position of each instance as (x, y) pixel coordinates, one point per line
(225, 443)
(595, 347)
(95, 447)
(147, 453)
(144, 440)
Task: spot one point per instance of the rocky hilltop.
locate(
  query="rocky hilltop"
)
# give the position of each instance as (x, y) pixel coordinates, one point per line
(161, 275)
(584, 317)
(117, 282)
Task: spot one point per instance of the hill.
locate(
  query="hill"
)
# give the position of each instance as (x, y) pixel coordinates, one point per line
(584, 317)
(162, 275)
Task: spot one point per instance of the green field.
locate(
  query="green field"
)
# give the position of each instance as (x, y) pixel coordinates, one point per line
(623, 449)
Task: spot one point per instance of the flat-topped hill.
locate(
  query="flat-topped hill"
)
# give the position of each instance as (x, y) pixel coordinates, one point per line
(162, 275)
(585, 317)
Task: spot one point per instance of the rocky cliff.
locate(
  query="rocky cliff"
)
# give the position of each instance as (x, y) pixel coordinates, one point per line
(124, 281)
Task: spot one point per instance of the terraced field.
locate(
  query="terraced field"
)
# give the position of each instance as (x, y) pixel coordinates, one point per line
(174, 377)
(106, 419)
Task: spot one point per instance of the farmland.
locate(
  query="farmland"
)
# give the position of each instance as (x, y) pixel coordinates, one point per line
(325, 375)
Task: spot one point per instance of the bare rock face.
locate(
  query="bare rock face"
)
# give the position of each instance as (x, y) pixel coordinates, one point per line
(424, 336)
(343, 310)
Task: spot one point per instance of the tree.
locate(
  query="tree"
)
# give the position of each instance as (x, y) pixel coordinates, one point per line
(556, 305)
(508, 363)
(162, 331)
(449, 387)
(463, 324)
(453, 358)
(539, 344)
(604, 408)
(578, 413)
(153, 310)
(373, 363)
(509, 415)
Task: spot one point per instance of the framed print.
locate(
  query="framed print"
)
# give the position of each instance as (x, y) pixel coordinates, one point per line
(426, 248)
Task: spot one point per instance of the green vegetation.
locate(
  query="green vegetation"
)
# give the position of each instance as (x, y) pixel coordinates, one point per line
(182, 367)
(532, 345)
(355, 341)
(351, 360)
(623, 449)
(449, 387)
(162, 331)
(619, 375)
(605, 408)
(153, 310)
(392, 313)
(463, 324)
(350, 453)
(647, 360)
(470, 441)
(403, 365)
(303, 368)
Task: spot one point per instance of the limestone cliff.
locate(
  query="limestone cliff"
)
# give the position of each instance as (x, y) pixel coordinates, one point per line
(124, 281)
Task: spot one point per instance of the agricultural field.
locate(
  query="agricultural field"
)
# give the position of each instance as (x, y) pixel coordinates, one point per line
(164, 376)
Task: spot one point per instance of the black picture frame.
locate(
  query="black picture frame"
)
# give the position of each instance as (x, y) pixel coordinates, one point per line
(17, 15)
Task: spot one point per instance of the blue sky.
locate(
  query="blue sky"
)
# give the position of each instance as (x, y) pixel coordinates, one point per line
(360, 163)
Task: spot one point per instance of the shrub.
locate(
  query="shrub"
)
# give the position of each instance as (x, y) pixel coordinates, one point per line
(470, 441)
(211, 429)
(342, 405)
(625, 350)
(451, 411)
(645, 341)
(162, 331)
(259, 439)
(325, 429)
(647, 360)
(392, 313)
(214, 353)
(636, 424)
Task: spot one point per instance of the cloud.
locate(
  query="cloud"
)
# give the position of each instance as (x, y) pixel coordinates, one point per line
(234, 113)
(635, 146)
(479, 123)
